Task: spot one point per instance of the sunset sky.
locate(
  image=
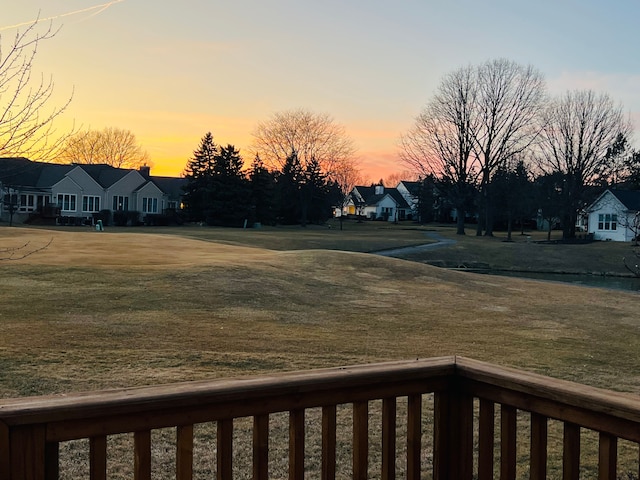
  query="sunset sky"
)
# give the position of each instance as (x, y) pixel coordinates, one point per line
(172, 71)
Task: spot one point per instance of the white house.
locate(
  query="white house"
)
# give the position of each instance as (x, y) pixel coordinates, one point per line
(377, 203)
(78, 193)
(615, 215)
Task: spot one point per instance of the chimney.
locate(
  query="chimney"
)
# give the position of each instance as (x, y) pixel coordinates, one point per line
(145, 171)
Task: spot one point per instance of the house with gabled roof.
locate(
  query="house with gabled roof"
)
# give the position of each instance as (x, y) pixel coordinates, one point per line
(615, 216)
(79, 192)
(377, 203)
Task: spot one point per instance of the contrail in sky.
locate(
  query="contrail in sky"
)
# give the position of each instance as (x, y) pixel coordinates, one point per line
(99, 9)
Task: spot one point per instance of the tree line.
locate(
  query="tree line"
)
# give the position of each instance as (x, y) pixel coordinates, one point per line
(219, 191)
(492, 127)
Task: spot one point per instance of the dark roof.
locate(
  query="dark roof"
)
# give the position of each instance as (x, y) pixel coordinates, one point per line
(105, 175)
(413, 187)
(22, 172)
(370, 196)
(629, 198)
(172, 186)
(52, 173)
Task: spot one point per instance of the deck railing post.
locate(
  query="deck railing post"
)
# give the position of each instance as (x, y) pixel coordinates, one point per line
(453, 435)
(26, 453)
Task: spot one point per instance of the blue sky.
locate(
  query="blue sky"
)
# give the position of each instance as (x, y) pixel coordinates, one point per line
(171, 71)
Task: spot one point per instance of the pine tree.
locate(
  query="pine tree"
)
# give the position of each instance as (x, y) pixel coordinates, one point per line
(199, 173)
(288, 190)
(314, 194)
(262, 183)
(229, 200)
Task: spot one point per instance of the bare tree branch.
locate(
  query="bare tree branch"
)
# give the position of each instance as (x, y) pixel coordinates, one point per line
(313, 136)
(26, 123)
(112, 146)
(18, 253)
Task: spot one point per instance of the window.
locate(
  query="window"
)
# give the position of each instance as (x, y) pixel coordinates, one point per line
(90, 203)
(120, 203)
(27, 202)
(149, 205)
(607, 221)
(67, 202)
(10, 201)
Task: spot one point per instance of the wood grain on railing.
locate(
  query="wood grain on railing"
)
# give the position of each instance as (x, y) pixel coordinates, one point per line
(31, 428)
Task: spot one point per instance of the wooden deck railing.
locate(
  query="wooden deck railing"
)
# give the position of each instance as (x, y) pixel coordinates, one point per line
(461, 423)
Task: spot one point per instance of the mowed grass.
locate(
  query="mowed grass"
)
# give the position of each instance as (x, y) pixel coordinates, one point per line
(123, 308)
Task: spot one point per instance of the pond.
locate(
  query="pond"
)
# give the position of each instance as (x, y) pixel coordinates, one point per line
(601, 281)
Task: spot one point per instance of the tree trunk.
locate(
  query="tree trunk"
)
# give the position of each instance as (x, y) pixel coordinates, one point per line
(460, 222)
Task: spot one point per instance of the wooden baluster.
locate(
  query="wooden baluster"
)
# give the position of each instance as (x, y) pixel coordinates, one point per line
(224, 447)
(538, 455)
(571, 452)
(441, 435)
(261, 447)
(98, 457)
(389, 439)
(463, 425)
(52, 460)
(608, 457)
(328, 442)
(486, 439)
(142, 455)
(508, 427)
(296, 444)
(184, 452)
(414, 436)
(360, 440)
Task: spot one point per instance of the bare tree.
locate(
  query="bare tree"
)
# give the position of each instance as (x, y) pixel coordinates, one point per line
(26, 121)
(22, 251)
(112, 146)
(441, 141)
(580, 128)
(314, 137)
(509, 101)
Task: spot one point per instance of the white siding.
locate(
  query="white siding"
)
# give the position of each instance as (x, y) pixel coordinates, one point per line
(607, 206)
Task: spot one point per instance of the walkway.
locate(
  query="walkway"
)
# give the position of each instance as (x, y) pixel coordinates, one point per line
(440, 242)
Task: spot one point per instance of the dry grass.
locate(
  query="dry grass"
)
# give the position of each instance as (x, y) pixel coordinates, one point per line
(100, 310)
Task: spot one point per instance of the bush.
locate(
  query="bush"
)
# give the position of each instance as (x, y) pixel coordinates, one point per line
(120, 218)
(104, 215)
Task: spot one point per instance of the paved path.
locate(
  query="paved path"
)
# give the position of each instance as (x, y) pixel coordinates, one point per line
(440, 242)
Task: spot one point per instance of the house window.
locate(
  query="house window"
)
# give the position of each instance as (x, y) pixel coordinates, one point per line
(149, 205)
(67, 202)
(120, 203)
(27, 202)
(90, 203)
(607, 221)
(10, 201)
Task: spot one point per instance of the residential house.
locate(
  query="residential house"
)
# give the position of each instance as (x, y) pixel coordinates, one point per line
(77, 192)
(615, 215)
(377, 203)
(410, 191)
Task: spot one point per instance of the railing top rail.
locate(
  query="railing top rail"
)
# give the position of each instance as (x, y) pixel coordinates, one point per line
(597, 400)
(127, 401)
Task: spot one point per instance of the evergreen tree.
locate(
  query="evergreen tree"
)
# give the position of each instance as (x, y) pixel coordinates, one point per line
(313, 194)
(262, 183)
(229, 201)
(199, 173)
(288, 190)
(512, 194)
